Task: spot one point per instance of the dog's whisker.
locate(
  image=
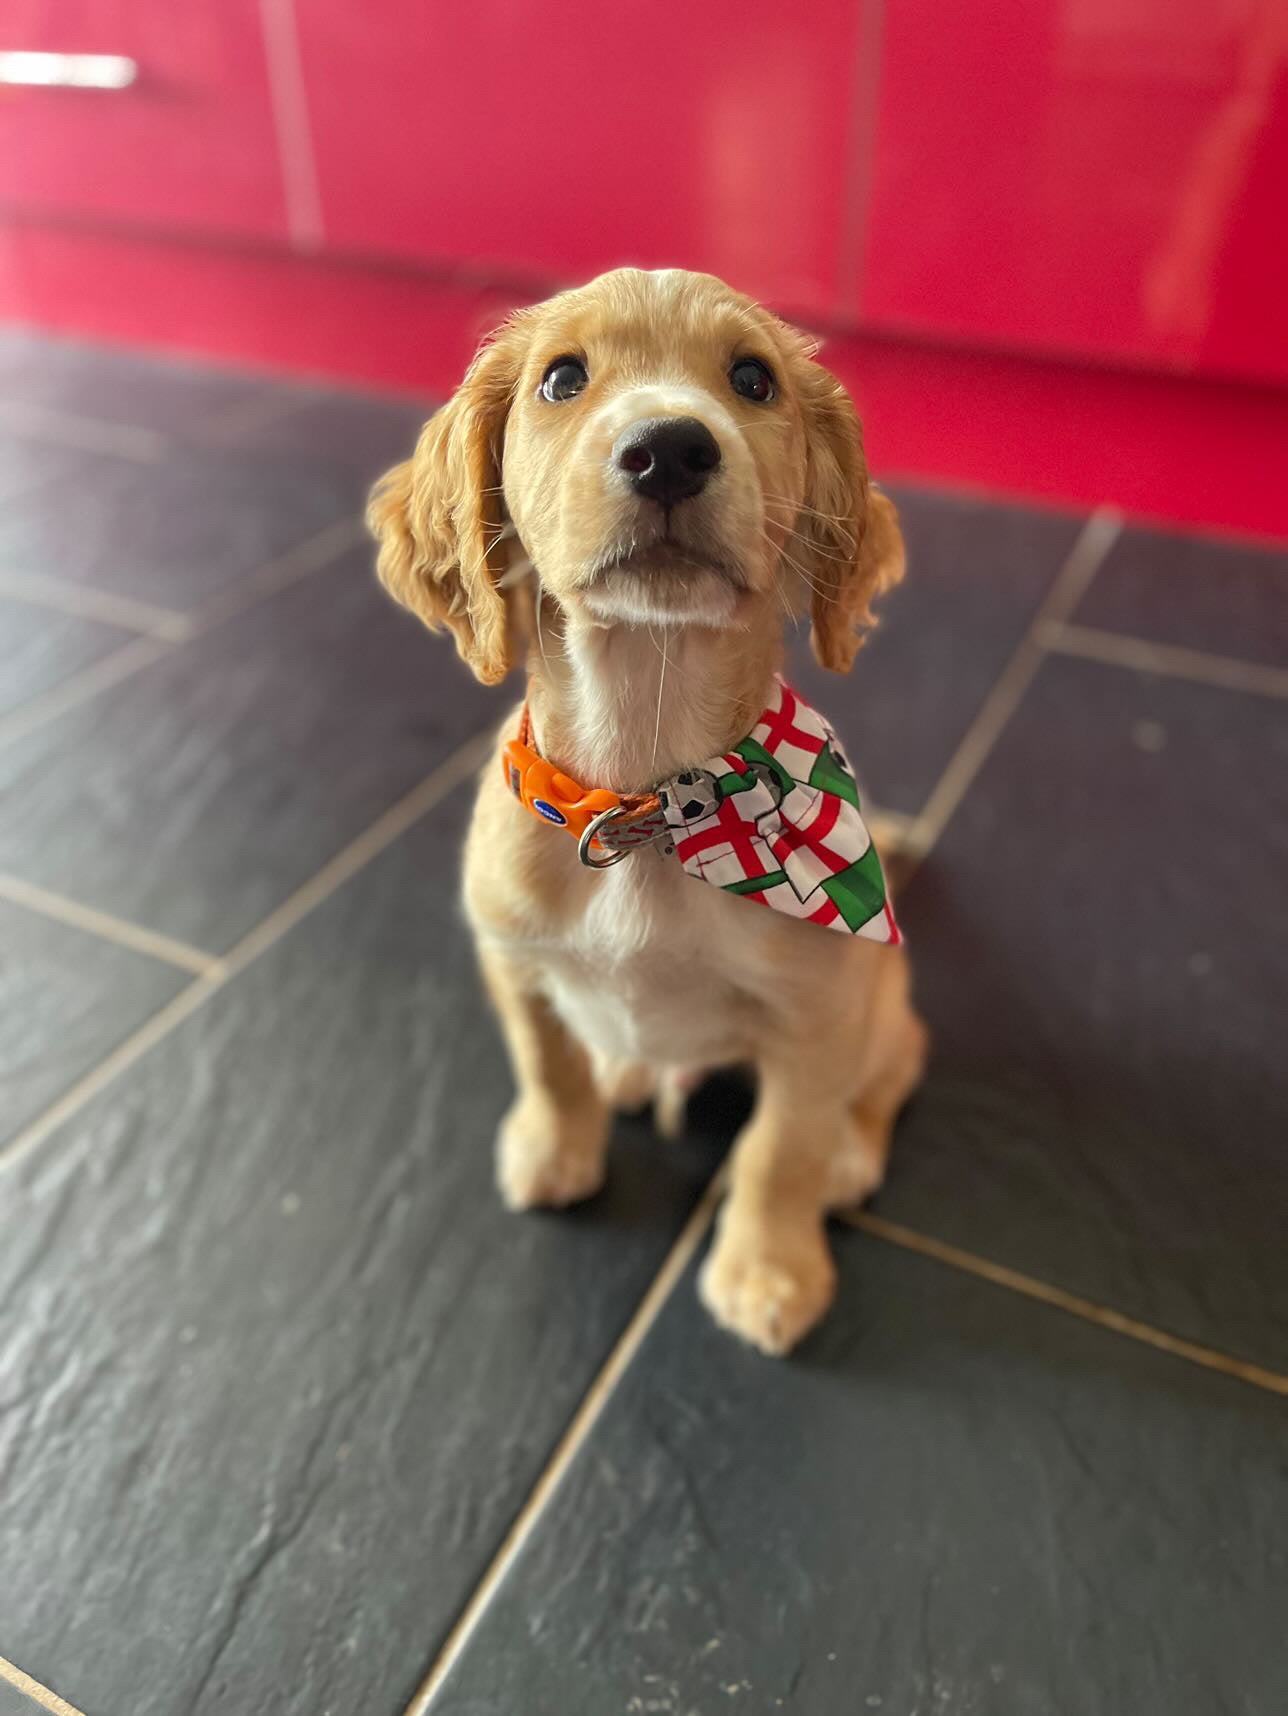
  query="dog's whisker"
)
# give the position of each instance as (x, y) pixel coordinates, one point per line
(481, 564)
(791, 613)
(661, 682)
(813, 511)
(801, 510)
(815, 546)
(820, 590)
(514, 574)
(813, 549)
(789, 500)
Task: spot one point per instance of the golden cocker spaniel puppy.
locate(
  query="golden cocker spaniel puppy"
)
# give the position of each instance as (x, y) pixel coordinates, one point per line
(635, 486)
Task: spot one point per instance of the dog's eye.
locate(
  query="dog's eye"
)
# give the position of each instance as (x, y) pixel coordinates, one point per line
(565, 377)
(753, 380)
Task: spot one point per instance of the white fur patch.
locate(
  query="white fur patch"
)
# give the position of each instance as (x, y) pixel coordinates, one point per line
(668, 399)
(634, 978)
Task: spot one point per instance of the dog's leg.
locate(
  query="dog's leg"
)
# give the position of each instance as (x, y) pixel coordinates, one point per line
(552, 1141)
(675, 1086)
(626, 1085)
(770, 1276)
(893, 1063)
(631, 1085)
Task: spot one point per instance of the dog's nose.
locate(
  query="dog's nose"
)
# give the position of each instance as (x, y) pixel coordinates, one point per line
(667, 458)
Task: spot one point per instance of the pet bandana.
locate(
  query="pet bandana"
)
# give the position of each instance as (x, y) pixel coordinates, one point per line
(776, 820)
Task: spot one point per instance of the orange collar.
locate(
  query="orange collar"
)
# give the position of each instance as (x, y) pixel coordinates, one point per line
(775, 820)
(587, 813)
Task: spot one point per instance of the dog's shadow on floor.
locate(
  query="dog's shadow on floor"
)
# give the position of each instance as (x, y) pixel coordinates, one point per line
(652, 1177)
(718, 1110)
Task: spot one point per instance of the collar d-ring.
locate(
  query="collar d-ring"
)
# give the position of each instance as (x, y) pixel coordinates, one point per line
(588, 834)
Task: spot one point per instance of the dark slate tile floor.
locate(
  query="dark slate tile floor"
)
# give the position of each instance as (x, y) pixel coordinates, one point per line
(342, 429)
(1107, 916)
(945, 634)
(25, 463)
(39, 648)
(321, 1366)
(277, 1374)
(952, 1501)
(114, 387)
(67, 998)
(175, 531)
(1214, 596)
(195, 796)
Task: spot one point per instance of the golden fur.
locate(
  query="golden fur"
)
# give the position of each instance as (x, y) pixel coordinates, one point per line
(650, 638)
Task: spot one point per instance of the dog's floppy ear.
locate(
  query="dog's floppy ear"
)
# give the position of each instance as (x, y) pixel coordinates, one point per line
(848, 533)
(438, 516)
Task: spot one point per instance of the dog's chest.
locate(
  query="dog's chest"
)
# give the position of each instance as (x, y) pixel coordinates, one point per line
(649, 965)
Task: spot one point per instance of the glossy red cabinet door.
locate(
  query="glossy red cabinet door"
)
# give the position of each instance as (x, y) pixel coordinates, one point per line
(1094, 177)
(190, 145)
(556, 137)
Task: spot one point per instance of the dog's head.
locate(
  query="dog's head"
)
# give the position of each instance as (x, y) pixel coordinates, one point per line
(662, 450)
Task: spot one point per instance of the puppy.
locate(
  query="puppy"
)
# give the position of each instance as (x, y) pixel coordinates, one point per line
(634, 487)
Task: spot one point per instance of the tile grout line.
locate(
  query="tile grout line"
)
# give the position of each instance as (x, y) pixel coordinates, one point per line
(466, 760)
(84, 434)
(1175, 661)
(225, 422)
(105, 926)
(32, 1689)
(892, 830)
(122, 664)
(382, 833)
(1057, 1298)
(314, 554)
(174, 629)
(1052, 635)
(1052, 632)
(1097, 536)
(84, 602)
(347, 863)
(577, 1431)
(645, 1315)
(126, 1053)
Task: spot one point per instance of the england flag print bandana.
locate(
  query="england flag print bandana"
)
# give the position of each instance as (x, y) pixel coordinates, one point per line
(777, 821)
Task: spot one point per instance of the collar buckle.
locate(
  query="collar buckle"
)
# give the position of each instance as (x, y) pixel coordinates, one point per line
(605, 825)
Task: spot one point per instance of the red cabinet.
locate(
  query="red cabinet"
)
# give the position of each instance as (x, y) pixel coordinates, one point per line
(1106, 178)
(190, 145)
(555, 138)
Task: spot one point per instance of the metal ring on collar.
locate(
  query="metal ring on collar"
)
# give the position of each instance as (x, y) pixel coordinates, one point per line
(588, 833)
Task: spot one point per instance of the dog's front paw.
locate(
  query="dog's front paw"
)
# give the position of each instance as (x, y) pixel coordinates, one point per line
(768, 1285)
(546, 1159)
